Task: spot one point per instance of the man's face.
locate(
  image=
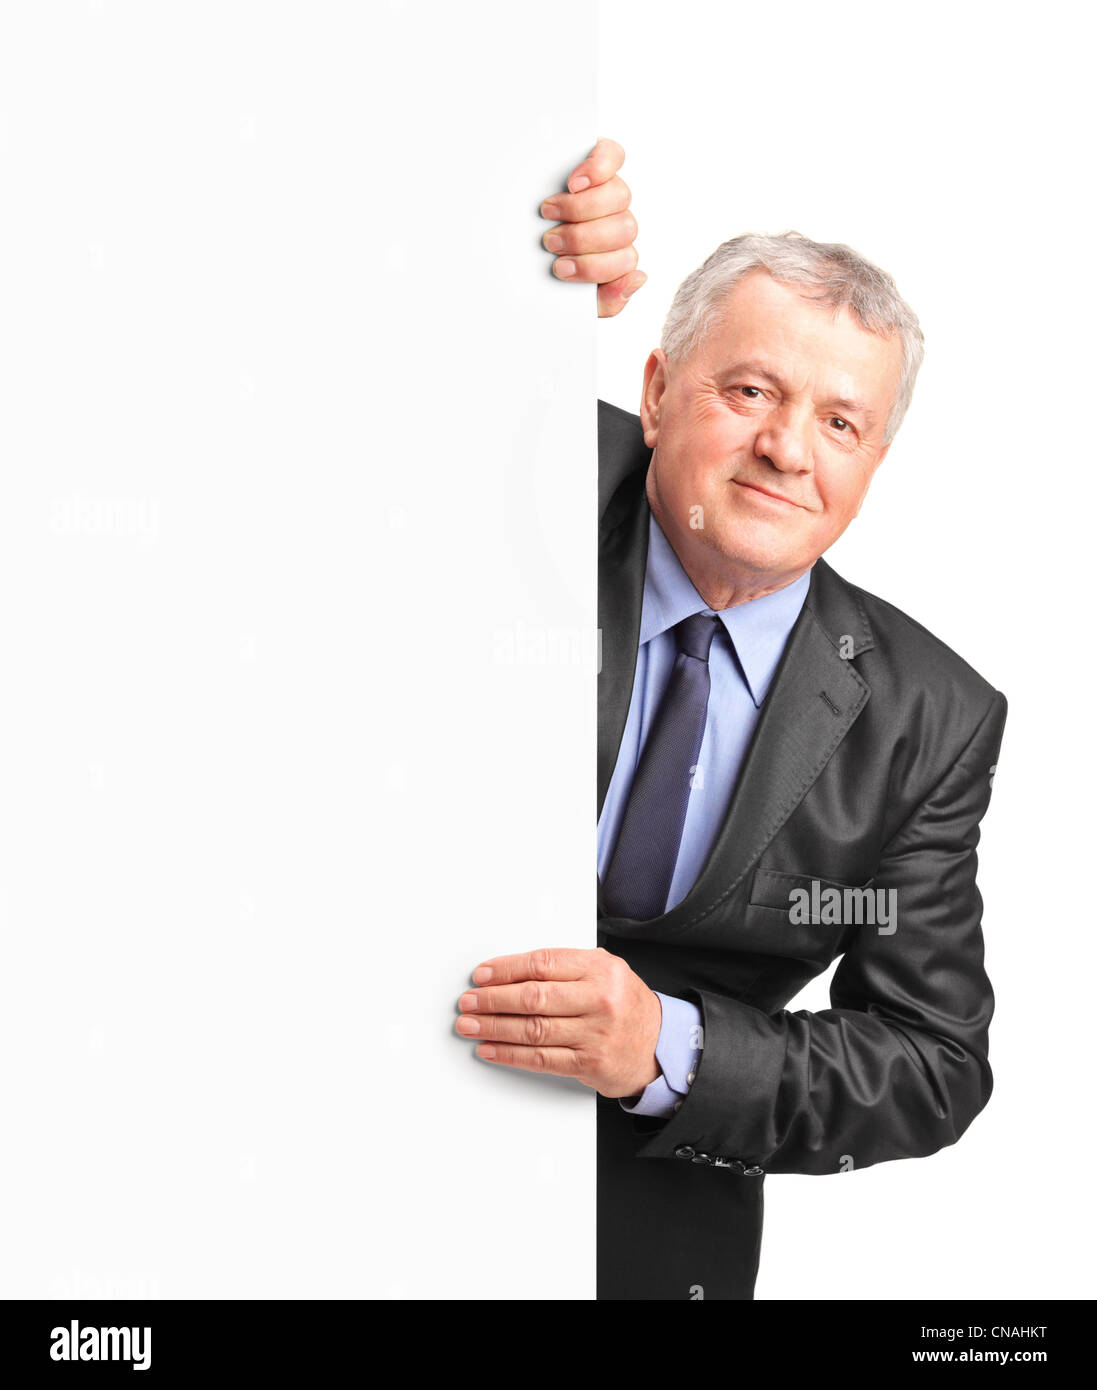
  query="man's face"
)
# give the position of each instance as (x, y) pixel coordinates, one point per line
(767, 436)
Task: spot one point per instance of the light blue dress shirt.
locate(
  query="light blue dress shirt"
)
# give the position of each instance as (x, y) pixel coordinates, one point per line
(742, 663)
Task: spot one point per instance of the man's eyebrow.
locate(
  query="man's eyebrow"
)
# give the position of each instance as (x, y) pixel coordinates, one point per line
(853, 408)
(841, 402)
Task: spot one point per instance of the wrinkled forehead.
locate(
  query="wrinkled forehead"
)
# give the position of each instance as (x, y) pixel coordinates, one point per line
(790, 332)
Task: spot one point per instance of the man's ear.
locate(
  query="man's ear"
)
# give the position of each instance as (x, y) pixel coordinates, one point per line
(879, 460)
(655, 383)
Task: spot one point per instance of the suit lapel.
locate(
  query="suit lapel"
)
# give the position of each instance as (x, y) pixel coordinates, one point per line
(812, 704)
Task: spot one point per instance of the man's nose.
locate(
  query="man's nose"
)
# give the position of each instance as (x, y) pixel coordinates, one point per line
(785, 438)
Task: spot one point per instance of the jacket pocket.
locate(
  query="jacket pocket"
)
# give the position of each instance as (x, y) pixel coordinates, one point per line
(804, 916)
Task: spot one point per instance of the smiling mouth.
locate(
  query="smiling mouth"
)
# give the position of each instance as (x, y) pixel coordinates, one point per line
(764, 492)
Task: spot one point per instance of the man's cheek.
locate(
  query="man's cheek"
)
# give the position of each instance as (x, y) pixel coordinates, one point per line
(837, 512)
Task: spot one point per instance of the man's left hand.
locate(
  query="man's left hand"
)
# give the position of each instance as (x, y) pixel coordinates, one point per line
(575, 1013)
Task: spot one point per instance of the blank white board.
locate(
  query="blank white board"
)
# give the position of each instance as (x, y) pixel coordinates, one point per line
(298, 631)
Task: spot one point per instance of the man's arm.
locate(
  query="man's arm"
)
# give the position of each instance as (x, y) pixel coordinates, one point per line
(898, 1067)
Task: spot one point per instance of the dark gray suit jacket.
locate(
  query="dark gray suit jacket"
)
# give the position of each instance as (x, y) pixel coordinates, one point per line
(871, 766)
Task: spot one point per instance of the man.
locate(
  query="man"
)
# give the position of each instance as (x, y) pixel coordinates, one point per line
(790, 770)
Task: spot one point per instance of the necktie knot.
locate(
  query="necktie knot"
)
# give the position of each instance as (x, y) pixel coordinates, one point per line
(694, 635)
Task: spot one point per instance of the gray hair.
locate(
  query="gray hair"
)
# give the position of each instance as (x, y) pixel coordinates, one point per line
(837, 271)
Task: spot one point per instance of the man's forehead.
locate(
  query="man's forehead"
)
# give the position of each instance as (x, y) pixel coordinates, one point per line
(759, 311)
(743, 337)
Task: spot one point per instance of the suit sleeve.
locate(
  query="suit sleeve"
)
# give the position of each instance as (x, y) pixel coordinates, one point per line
(898, 1066)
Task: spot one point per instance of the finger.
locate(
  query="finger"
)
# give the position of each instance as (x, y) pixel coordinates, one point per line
(600, 201)
(570, 1000)
(601, 268)
(547, 963)
(611, 233)
(558, 1061)
(613, 297)
(532, 1030)
(600, 165)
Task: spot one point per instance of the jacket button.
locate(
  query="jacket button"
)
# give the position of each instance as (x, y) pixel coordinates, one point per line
(702, 1158)
(683, 1151)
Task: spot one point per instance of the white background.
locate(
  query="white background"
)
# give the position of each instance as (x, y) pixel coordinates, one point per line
(297, 557)
(952, 145)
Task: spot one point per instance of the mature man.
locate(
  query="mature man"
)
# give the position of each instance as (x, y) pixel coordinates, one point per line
(789, 770)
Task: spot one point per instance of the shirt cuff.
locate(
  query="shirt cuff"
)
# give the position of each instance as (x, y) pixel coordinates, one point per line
(678, 1053)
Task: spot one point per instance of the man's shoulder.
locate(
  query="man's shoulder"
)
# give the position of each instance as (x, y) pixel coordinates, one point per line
(913, 664)
(612, 417)
(621, 450)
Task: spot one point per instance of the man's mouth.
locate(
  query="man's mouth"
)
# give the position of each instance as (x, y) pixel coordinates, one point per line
(774, 497)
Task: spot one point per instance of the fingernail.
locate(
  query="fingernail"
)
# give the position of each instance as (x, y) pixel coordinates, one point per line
(486, 1051)
(564, 269)
(482, 974)
(554, 243)
(469, 1026)
(577, 185)
(551, 210)
(468, 1003)
(636, 285)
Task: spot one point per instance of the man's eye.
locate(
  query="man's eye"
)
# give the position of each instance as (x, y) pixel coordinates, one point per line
(844, 424)
(750, 388)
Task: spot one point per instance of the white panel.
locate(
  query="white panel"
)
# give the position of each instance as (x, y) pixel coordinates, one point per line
(298, 492)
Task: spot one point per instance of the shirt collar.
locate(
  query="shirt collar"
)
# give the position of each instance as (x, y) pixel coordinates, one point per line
(758, 629)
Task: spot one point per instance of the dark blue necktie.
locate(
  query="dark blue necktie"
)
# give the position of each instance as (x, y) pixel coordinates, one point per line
(639, 876)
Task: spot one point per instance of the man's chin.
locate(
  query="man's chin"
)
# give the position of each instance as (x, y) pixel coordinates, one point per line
(752, 551)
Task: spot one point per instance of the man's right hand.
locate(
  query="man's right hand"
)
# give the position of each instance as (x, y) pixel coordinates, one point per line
(595, 231)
